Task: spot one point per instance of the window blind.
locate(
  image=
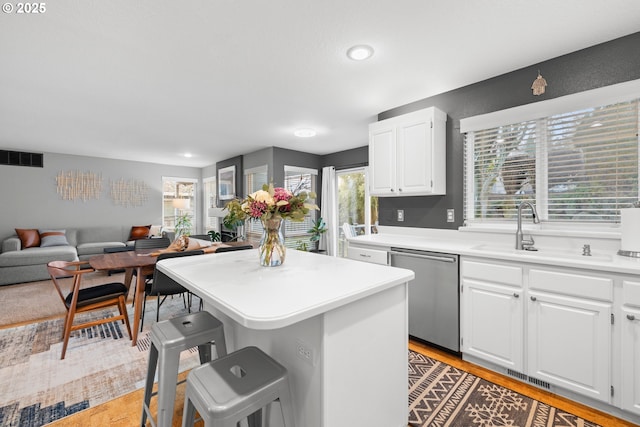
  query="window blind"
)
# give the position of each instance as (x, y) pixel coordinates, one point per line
(576, 166)
(298, 179)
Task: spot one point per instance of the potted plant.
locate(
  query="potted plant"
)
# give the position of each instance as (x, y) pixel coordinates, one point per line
(318, 229)
(183, 225)
(214, 235)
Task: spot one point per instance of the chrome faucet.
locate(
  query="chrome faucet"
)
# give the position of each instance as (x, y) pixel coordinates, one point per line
(522, 243)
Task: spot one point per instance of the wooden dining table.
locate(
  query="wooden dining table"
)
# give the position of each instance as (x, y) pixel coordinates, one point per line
(143, 262)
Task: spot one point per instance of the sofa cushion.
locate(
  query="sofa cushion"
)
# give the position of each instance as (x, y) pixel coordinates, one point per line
(35, 256)
(28, 237)
(53, 238)
(139, 232)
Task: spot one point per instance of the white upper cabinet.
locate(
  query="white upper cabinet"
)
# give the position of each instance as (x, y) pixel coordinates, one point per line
(407, 154)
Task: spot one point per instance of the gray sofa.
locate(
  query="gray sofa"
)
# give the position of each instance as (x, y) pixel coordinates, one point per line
(26, 265)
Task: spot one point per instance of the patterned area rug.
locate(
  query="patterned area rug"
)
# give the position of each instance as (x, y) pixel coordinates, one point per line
(36, 387)
(441, 395)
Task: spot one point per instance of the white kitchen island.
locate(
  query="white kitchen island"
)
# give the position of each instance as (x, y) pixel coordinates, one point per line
(339, 326)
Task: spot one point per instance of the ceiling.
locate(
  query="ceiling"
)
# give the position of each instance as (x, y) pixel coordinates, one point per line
(151, 80)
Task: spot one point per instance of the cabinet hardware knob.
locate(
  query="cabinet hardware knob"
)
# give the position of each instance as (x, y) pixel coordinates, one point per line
(392, 189)
(399, 189)
(631, 317)
(533, 298)
(516, 295)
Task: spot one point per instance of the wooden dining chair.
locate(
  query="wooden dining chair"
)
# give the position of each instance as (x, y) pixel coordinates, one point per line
(79, 299)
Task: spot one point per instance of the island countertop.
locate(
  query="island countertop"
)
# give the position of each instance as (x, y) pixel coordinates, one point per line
(257, 297)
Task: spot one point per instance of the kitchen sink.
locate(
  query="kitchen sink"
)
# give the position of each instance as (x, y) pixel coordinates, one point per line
(575, 254)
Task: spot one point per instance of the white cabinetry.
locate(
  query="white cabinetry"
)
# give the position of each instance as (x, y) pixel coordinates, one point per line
(631, 347)
(569, 331)
(561, 336)
(407, 154)
(374, 256)
(492, 304)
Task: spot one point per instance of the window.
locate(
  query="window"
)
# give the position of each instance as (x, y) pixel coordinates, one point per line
(355, 206)
(254, 179)
(178, 200)
(577, 166)
(210, 201)
(298, 179)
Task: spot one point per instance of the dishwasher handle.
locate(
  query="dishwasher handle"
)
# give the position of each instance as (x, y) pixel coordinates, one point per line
(442, 258)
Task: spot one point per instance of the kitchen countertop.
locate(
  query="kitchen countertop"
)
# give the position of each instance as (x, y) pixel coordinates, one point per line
(464, 244)
(258, 297)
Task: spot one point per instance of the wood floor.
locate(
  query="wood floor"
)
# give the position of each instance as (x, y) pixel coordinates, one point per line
(125, 410)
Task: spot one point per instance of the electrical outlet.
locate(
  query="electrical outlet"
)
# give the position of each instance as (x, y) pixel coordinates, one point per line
(304, 352)
(450, 215)
(400, 215)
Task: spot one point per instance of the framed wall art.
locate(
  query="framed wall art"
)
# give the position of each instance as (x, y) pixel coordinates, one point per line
(227, 183)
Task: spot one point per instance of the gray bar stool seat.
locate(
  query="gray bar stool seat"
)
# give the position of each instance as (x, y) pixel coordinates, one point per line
(237, 386)
(168, 339)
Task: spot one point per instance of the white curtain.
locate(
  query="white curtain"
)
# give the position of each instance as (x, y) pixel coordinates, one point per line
(328, 211)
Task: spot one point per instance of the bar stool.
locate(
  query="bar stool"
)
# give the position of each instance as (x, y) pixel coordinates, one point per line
(168, 339)
(232, 388)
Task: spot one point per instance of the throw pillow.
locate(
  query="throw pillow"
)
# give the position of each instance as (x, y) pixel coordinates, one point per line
(155, 231)
(139, 232)
(53, 238)
(29, 238)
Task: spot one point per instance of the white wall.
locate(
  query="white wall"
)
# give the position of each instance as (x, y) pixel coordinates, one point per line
(28, 197)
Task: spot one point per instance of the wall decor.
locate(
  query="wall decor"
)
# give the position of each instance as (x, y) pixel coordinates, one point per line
(539, 85)
(129, 193)
(227, 183)
(76, 185)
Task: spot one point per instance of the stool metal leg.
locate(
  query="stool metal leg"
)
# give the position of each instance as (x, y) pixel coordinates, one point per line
(148, 388)
(167, 379)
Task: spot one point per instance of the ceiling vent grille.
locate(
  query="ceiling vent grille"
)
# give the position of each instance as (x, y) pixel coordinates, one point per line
(21, 158)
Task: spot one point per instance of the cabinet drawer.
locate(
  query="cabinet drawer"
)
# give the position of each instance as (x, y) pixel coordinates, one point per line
(490, 272)
(631, 293)
(573, 284)
(368, 255)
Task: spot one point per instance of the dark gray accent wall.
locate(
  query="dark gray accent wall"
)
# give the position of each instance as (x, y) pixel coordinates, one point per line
(237, 162)
(353, 158)
(30, 199)
(275, 158)
(609, 63)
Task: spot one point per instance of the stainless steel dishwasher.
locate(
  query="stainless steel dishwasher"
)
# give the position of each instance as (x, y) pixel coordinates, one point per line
(434, 308)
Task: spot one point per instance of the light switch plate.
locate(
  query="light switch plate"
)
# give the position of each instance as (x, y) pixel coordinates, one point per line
(450, 215)
(400, 215)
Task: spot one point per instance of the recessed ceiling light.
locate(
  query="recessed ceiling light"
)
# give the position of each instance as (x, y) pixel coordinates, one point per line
(360, 52)
(188, 155)
(305, 133)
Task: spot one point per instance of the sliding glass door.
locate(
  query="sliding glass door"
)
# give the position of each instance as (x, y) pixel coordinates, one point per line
(357, 210)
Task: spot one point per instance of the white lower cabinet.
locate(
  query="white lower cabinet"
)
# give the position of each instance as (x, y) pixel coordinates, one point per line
(631, 347)
(569, 343)
(555, 328)
(492, 303)
(569, 330)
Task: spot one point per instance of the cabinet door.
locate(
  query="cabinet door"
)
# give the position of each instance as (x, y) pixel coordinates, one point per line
(569, 343)
(631, 360)
(414, 161)
(382, 158)
(492, 326)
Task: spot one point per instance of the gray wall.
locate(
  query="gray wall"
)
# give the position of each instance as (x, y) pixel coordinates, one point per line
(602, 65)
(30, 200)
(353, 158)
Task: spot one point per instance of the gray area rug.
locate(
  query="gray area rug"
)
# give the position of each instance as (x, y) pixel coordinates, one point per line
(36, 387)
(441, 395)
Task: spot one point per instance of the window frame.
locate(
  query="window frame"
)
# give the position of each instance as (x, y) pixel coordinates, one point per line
(539, 112)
